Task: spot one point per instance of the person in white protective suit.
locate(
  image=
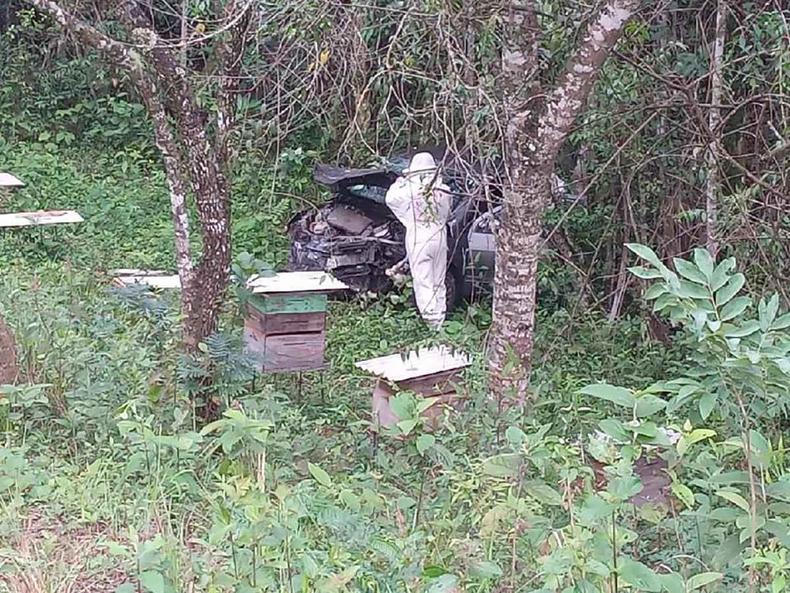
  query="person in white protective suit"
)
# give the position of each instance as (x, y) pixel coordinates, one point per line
(421, 201)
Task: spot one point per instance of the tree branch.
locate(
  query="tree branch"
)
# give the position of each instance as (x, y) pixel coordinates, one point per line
(122, 55)
(569, 96)
(230, 52)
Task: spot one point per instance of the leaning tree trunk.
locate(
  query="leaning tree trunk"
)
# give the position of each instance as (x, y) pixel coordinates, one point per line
(193, 163)
(535, 133)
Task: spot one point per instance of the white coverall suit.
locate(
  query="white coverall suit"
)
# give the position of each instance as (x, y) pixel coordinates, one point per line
(422, 202)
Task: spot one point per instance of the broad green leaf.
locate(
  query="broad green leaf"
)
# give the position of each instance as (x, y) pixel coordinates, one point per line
(704, 262)
(639, 576)
(542, 492)
(749, 524)
(689, 271)
(746, 329)
(425, 442)
(782, 322)
(447, 583)
(645, 253)
(728, 551)
(665, 301)
(700, 580)
(337, 582)
(624, 487)
(402, 405)
(506, 465)
(647, 405)
(722, 273)
(406, 426)
(729, 290)
(485, 570)
(688, 290)
(767, 311)
(735, 499)
(433, 572)
(489, 524)
(320, 475)
(730, 477)
(425, 403)
(734, 308)
(125, 588)
(595, 509)
(654, 292)
(515, 436)
(684, 494)
(645, 273)
(695, 436)
(673, 583)
(653, 513)
(683, 394)
(726, 514)
(152, 581)
(615, 429)
(779, 489)
(779, 583)
(351, 500)
(618, 395)
(761, 449)
(780, 530)
(706, 404)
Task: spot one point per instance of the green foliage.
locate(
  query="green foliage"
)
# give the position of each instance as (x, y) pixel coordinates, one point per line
(287, 490)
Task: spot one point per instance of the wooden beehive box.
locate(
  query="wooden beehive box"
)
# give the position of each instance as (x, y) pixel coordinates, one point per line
(433, 373)
(285, 320)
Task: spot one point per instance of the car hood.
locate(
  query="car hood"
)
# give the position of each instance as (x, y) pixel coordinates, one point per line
(339, 178)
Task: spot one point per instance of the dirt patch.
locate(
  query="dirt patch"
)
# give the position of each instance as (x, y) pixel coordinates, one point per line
(47, 555)
(9, 369)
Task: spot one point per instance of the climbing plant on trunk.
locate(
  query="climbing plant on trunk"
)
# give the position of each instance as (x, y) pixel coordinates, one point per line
(194, 152)
(539, 120)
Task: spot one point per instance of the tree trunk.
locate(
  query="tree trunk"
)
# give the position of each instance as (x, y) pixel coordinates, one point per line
(192, 163)
(519, 240)
(712, 185)
(533, 138)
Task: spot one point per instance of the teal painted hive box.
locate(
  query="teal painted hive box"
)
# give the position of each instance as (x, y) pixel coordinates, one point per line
(285, 320)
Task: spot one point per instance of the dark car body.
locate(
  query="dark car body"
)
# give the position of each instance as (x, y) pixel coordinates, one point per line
(356, 237)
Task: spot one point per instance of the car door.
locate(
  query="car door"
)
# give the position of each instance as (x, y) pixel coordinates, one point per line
(481, 251)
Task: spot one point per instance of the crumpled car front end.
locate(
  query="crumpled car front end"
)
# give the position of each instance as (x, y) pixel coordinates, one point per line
(354, 246)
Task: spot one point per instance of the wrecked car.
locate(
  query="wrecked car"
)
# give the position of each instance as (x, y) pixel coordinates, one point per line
(358, 239)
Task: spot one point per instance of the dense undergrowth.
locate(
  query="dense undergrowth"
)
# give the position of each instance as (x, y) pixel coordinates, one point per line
(289, 491)
(109, 481)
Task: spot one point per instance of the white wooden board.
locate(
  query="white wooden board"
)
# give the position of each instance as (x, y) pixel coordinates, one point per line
(152, 280)
(136, 272)
(427, 361)
(8, 180)
(295, 282)
(20, 219)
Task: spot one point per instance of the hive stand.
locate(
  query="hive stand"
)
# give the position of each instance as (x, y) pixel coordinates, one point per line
(433, 373)
(285, 320)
